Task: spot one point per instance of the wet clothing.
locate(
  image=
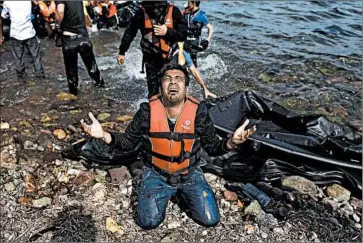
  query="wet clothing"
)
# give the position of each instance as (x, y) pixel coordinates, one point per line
(21, 27)
(74, 22)
(153, 61)
(22, 35)
(82, 46)
(193, 190)
(157, 185)
(74, 18)
(196, 21)
(18, 50)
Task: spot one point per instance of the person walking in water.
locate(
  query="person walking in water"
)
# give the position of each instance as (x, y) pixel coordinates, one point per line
(75, 40)
(196, 20)
(161, 25)
(22, 35)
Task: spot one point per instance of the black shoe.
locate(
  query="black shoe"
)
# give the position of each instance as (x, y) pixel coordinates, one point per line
(73, 90)
(100, 84)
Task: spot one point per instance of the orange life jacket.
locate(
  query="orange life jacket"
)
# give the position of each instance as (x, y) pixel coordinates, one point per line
(158, 42)
(46, 11)
(173, 151)
(111, 9)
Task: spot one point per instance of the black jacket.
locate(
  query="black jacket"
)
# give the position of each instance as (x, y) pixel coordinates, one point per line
(177, 34)
(138, 130)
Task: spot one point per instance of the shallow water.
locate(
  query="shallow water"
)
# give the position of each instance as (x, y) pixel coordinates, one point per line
(305, 54)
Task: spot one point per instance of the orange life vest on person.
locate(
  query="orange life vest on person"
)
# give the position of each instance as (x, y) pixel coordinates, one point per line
(158, 42)
(46, 10)
(111, 9)
(173, 151)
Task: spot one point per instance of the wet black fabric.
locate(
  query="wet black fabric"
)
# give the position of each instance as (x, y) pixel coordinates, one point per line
(178, 33)
(152, 75)
(83, 46)
(18, 50)
(138, 130)
(74, 19)
(153, 61)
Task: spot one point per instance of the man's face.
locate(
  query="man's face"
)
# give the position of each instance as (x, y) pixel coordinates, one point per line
(190, 5)
(173, 86)
(155, 9)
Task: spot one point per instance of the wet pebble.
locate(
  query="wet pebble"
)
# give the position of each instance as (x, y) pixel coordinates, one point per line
(278, 230)
(4, 125)
(9, 187)
(230, 196)
(174, 225)
(356, 218)
(58, 162)
(210, 177)
(29, 145)
(42, 202)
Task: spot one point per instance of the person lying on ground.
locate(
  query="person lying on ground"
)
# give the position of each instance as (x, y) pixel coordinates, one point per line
(173, 127)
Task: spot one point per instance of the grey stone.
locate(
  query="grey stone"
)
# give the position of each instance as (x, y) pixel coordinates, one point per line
(253, 209)
(40, 148)
(299, 184)
(42, 202)
(101, 172)
(29, 145)
(58, 162)
(174, 225)
(210, 178)
(278, 230)
(266, 220)
(356, 218)
(338, 192)
(9, 187)
(172, 237)
(264, 235)
(332, 204)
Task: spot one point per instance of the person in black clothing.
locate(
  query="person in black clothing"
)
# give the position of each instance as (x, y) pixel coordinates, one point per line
(171, 159)
(161, 25)
(75, 40)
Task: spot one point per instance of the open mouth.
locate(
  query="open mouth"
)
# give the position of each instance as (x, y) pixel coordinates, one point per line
(173, 91)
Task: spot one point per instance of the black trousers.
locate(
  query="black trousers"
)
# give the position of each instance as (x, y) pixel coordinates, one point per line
(18, 48)
(153, 68)
(83, 46)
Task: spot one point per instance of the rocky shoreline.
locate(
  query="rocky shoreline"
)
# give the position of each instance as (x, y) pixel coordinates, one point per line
(71, 201)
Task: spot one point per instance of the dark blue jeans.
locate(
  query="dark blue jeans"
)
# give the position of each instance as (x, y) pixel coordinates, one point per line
(193, 191)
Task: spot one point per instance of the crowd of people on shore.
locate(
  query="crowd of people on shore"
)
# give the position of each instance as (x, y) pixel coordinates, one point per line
(172, 127)
(179, 40)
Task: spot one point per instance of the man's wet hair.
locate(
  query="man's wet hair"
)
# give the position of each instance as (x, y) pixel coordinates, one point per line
(173, 66)
(197, 3)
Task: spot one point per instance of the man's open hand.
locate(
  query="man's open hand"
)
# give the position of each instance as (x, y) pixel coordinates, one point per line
(95, 129)
(241, 135)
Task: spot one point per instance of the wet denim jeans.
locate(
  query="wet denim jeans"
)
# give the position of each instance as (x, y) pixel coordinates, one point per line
(193, 191)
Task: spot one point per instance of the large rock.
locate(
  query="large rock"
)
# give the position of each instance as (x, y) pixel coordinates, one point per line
(299, 184)
(338, 192)
(253, 209)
